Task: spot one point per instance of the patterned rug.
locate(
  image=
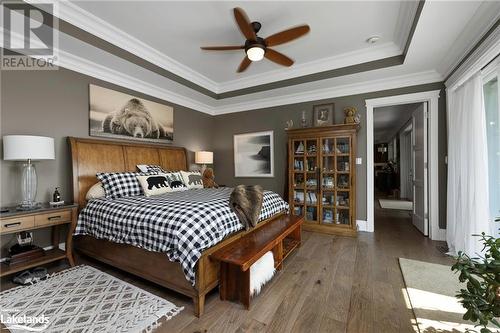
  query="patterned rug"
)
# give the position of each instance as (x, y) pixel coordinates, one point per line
(82, 299)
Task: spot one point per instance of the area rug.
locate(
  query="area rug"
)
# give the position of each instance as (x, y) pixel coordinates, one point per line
(396, 204)
(83, 299)
(431, 291)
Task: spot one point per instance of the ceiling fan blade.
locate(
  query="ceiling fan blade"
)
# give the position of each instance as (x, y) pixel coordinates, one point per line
(278, 58)
(286, 36)
(244, 24)
(244, 65)
(222, 48)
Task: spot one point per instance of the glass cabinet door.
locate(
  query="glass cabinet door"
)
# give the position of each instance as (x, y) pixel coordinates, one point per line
(298, 177)
(335, 177)
(312, 181)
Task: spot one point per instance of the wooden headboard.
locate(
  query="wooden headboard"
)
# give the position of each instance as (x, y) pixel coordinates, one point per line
(90, 156)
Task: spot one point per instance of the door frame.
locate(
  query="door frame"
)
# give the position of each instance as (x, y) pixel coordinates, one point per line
(404, 152)
(431, 97)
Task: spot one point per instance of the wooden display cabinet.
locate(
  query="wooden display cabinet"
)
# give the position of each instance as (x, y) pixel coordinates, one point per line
(322, 177)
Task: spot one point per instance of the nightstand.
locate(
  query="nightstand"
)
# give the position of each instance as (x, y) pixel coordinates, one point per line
(14, 221)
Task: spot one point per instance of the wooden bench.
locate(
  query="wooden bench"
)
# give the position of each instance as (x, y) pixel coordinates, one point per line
(280, 236)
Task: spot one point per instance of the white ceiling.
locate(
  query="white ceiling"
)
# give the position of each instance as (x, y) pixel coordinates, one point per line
(178, 29)
(388, 120)
(445, 33)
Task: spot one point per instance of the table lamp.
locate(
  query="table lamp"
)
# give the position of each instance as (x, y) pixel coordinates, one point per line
(28, 148)
(204, 158)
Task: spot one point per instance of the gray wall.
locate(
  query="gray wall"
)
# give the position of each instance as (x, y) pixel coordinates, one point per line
(56, 104)
(275, 118)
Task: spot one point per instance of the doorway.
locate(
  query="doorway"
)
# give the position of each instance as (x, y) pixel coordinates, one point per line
(431, 97)
(400, 136)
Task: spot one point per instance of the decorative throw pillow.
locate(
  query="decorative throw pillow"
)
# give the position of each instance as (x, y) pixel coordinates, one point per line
(175, 181)
(150, 168)
(121, 184)
(95, 192)
(154, 184)
(192, 179)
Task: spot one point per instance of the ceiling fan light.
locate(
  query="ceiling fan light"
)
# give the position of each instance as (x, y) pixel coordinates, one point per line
(255, 53)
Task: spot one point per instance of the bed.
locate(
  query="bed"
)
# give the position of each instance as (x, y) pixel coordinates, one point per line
(190, 270)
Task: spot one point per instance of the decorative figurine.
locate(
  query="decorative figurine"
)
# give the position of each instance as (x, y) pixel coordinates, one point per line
(303, 120)
(56, 197)
(350, 115)
(289, 124)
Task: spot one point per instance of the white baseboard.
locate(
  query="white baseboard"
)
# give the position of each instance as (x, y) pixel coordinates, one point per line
(363, 226)
(62, 246)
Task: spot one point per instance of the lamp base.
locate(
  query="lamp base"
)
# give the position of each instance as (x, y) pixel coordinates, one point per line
(28, 205)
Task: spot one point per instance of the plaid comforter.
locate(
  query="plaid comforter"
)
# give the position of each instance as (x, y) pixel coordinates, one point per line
(180, 224)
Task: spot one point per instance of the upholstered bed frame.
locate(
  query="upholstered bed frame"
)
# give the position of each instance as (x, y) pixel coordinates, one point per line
(90, 156)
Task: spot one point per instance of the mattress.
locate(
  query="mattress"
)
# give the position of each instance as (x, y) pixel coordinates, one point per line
(180, 224)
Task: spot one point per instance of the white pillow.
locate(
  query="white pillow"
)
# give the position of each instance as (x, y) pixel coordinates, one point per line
(154, 184)
(192, 179)
(95, 192)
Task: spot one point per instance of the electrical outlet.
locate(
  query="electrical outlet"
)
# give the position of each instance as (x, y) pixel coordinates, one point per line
(359, 161)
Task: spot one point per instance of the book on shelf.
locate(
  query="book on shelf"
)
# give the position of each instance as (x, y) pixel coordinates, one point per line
(299, 196)
(311, 196)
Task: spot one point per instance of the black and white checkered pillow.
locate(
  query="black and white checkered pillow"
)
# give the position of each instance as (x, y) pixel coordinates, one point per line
(150, 168)
(121, 184)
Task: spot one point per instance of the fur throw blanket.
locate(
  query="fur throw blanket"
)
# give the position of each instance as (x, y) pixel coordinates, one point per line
(246, 203)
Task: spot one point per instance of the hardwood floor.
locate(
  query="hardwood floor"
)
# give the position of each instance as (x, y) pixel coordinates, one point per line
(331, 284)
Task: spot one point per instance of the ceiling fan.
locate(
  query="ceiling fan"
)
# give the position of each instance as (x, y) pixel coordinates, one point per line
(256, 48)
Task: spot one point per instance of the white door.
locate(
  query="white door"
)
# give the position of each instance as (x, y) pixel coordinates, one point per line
(419, 170)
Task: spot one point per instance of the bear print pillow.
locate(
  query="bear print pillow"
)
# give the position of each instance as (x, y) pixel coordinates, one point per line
(154, 184)
(175, 181)
(192, 179)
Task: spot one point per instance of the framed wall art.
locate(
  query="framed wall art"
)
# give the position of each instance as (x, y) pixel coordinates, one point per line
(117, 115)
(323, 114)
(254, 154)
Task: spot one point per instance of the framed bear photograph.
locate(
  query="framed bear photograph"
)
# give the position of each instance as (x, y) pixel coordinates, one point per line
(117, 115)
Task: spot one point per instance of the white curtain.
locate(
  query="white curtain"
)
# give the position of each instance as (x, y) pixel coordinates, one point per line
(468, 208)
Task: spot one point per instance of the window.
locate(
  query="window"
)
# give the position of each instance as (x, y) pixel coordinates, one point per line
(492, 109)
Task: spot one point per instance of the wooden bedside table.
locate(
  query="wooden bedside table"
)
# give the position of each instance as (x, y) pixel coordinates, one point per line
(45, 217)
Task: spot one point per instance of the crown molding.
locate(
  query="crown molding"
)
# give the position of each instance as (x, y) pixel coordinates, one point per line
(406, 16)
(480, 57)
(473, 33)
(338, 91)
(81, 18)
(92, 24)
(367, 54)
(84, 66)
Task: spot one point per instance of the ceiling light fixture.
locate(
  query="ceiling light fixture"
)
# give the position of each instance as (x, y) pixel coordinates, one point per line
(255, 53)
(373, 39)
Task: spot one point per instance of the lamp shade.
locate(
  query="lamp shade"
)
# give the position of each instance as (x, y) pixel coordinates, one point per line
(204, 157)
(28, 147)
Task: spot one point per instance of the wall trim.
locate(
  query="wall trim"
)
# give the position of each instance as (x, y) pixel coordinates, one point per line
(337, 91)
(431, 97)
(362, 225)
(480, 57)
(92, 24)
(83, 19)
(84, 66)
(347, 59)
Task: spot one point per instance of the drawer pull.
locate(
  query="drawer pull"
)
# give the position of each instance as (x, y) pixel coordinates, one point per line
(57, 217)
(10, 225)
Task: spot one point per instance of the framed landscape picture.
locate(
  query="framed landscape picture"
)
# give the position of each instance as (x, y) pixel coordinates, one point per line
(254, 154)
(117, 115)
